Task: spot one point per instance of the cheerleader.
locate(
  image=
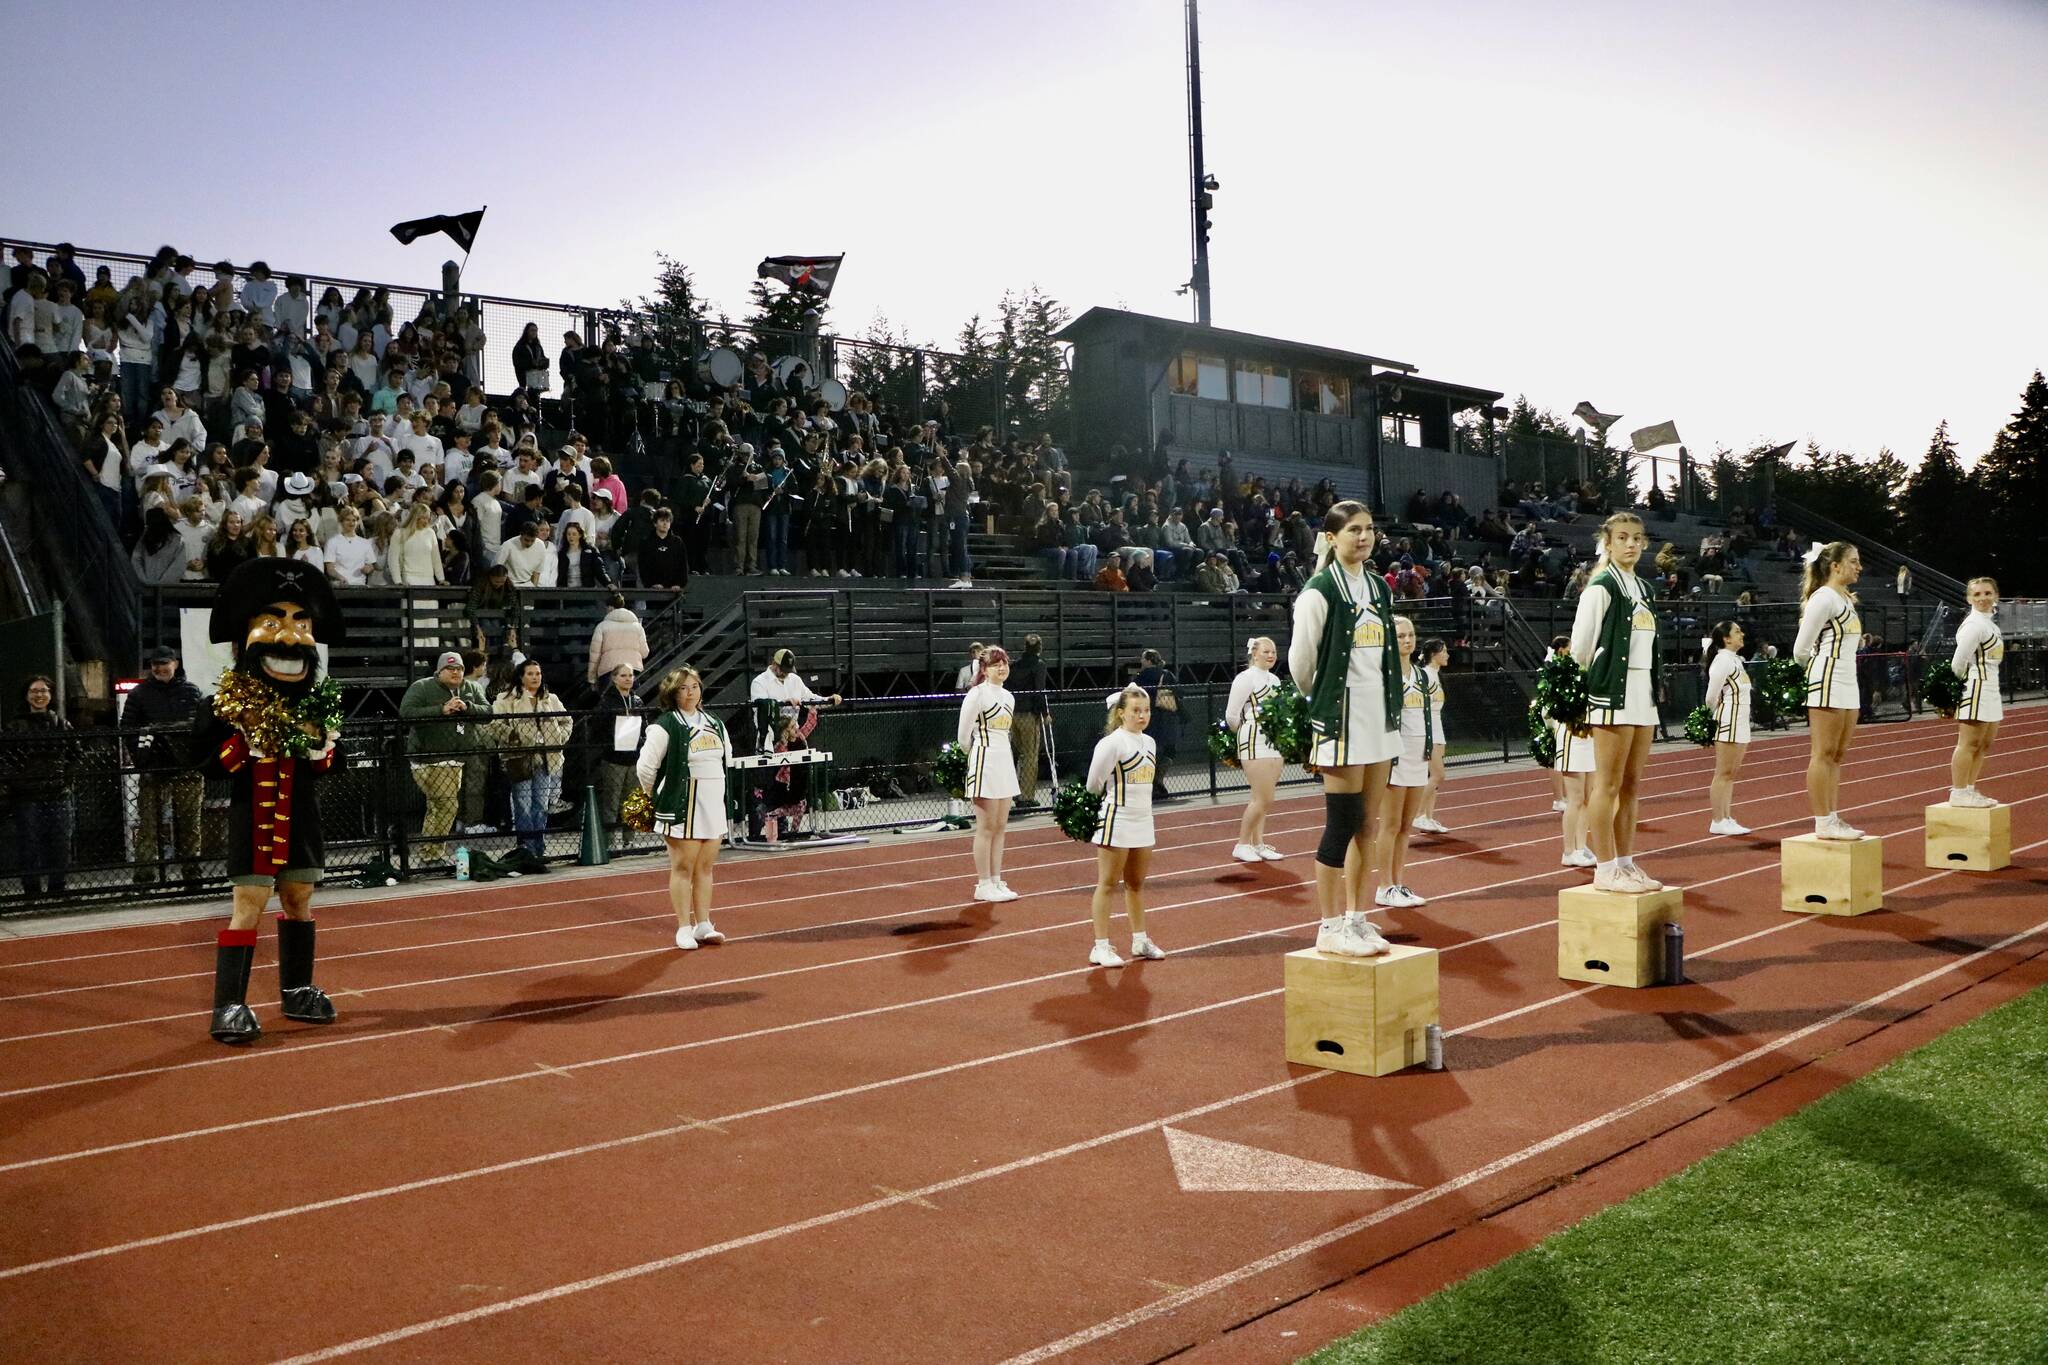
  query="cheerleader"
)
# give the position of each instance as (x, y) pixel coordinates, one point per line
(1435, 655)
(1614, 638)
(1728, 698)
(985, 715)
(1342, 658)
(1408, 783)
(682, 767)
(1122, 770)
(1255, 753)
(1561, 645)
(1980, 649)
(1829, 627)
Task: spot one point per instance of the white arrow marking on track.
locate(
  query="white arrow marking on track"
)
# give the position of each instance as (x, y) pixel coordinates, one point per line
(1210, 1165)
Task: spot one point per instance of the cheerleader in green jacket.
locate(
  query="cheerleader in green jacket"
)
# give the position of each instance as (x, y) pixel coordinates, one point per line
(1342, 657)
(682, 766)
(1614, 638)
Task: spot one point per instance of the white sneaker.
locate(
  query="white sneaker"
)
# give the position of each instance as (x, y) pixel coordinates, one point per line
(1835, 827)
(1972, 799)
(1609, 879)
(1429, 824)
(707, 934)
(1556, 806)
(1342, 942)
(1406, 899)
(982, 890)
(1245, 853)
(1579, 857)
(996, 890)
(1270, 853)
(1004, 887)
(1143, 946)
(686, 938)
(1369, 937)
(1104, 956)
(1727, 827)
(1385, 898)
(1633, 878)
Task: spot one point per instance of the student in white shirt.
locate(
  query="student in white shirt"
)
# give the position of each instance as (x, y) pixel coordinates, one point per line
(778, 690)
(67, 320)
(179, 420)
(490, 516)
(350, 556)
(423, 444)
(259, 294)
(293, 308)
(574, 513)
(526, 557)
(21, 312)
(152, 449)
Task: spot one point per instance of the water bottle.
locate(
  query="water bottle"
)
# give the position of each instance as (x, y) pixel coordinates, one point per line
(462, 863)
(1433, 1042)
(1674, 954)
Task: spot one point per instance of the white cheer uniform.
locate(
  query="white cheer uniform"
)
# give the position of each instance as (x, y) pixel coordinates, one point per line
(985, 715)
(1122, 771)
(1362, 735)
(1980, 649)
(1436, 703)
(1418, 732)
(1574, 751)
(1829, 630)
(1729, 698)
(1241, 713)
(1639, 700)
(703, 805)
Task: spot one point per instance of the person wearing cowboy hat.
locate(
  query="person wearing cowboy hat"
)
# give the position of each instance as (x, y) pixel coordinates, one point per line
(779, 690)
(293, 507)
(275, 613)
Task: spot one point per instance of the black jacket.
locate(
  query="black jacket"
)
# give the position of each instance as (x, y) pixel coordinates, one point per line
(663, 562)
(154, 708)
(38, 764)
(1028, 682)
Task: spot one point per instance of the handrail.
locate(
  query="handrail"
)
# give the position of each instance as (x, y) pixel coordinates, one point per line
(1939, 585)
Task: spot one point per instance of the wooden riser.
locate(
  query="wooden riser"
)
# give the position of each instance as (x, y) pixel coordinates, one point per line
(1366, 1015)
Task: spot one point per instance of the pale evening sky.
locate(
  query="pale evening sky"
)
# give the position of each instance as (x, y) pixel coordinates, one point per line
(1765, 221)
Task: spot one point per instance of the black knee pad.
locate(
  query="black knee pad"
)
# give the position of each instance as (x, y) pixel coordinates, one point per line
(1343, 821)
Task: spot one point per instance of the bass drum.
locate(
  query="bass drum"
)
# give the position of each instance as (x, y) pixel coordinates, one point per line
(722, 368)
(834, 394)
(787, 366)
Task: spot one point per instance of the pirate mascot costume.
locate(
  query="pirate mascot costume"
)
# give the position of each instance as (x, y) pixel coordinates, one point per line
(275, 723)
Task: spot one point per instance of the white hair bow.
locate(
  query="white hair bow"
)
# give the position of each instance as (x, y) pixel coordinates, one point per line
(1814, 553)
(1322, 543)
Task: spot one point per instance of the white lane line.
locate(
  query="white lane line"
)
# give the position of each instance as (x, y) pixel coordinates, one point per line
(1174, 1301)
(1279, 1258)
(869, 919)
(1666, 763)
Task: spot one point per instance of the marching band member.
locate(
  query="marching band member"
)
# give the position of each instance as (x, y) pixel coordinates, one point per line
(1408, 783)
(1122, 770)
(986, 713)
(1435, 655)
(682, 767)
(1728, 697)
(1829, 628)
(1255, 753)
(1614, 638)
(1980, 649)
(779, 690)
(1342, 658)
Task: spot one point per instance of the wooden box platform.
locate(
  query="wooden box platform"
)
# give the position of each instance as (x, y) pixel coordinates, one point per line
(1364, 1015)
(1615, 938)
(1969, 838)
(1819, 876)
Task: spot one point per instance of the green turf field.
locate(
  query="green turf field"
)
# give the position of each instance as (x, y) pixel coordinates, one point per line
(1903, 1218)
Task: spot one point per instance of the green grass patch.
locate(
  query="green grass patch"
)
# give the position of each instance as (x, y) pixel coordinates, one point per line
(1904, 1218)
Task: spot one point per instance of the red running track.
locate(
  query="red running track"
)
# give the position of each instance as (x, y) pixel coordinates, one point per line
(885, 1123)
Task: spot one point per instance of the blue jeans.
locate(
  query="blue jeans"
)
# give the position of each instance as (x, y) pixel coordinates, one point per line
(903, 534)
(530, 802)
(44, 831)
(1162, 564)
(775, 539)
(136, 382)
(958, 562)
(1081, 561)
(1054, 557)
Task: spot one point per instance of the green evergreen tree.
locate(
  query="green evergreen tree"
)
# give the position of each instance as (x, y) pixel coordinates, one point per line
(885, 368)
(1838, 485)
(774, 308)
(2014, 477)
(1937, 506)
(674, 312)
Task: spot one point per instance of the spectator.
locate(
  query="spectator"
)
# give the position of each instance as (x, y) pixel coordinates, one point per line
(532, 723)
(415, 557)
(1140, 576)
(160, 714)
(577, 563)
(526, 556)
(349, 555)
(488, 515)
(1048, 541)
(441, 729)
(1215, 575)
(159, 557)
(960, 500)
(617, 727)
(1110, 577)
(1029, 684)
(663, 560)
(230, 547)
(300, 545)
(618, 641)
(39, 780)
(494, 612)
(1159, 683)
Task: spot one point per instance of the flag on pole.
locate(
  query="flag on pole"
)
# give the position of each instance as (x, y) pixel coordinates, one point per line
(1649, 438)
(461, 226)
(1593, 417)
(1778, 452)
(803, 274)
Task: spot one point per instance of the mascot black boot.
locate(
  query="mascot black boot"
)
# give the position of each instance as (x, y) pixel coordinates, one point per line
(303, 1000)
(232, 1021)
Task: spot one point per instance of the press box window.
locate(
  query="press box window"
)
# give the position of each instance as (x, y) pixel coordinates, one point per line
(1328, 394)
(1199, 376)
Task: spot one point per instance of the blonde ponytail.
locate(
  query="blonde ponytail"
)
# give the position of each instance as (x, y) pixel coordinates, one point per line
(1820, 564)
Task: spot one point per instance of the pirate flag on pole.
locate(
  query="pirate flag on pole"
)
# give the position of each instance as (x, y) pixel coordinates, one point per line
(803, 274)
(461, 226)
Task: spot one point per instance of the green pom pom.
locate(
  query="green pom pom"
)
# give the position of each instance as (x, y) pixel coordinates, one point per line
(1942, 688)
(1561, 689)
(1701, 723)
(1542, 739)
(1780, 686)
(1076, 810)
(1223, 744)
(949, 771)
(1283, 720)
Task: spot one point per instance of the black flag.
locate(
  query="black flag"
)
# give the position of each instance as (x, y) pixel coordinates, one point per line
(803, 274)
(461, 226)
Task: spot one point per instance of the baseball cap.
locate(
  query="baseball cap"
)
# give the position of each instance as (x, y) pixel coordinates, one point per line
(162, 654)
(783, 658)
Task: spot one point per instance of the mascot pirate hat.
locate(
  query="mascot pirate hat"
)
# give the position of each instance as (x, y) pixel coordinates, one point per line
(260, 582)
